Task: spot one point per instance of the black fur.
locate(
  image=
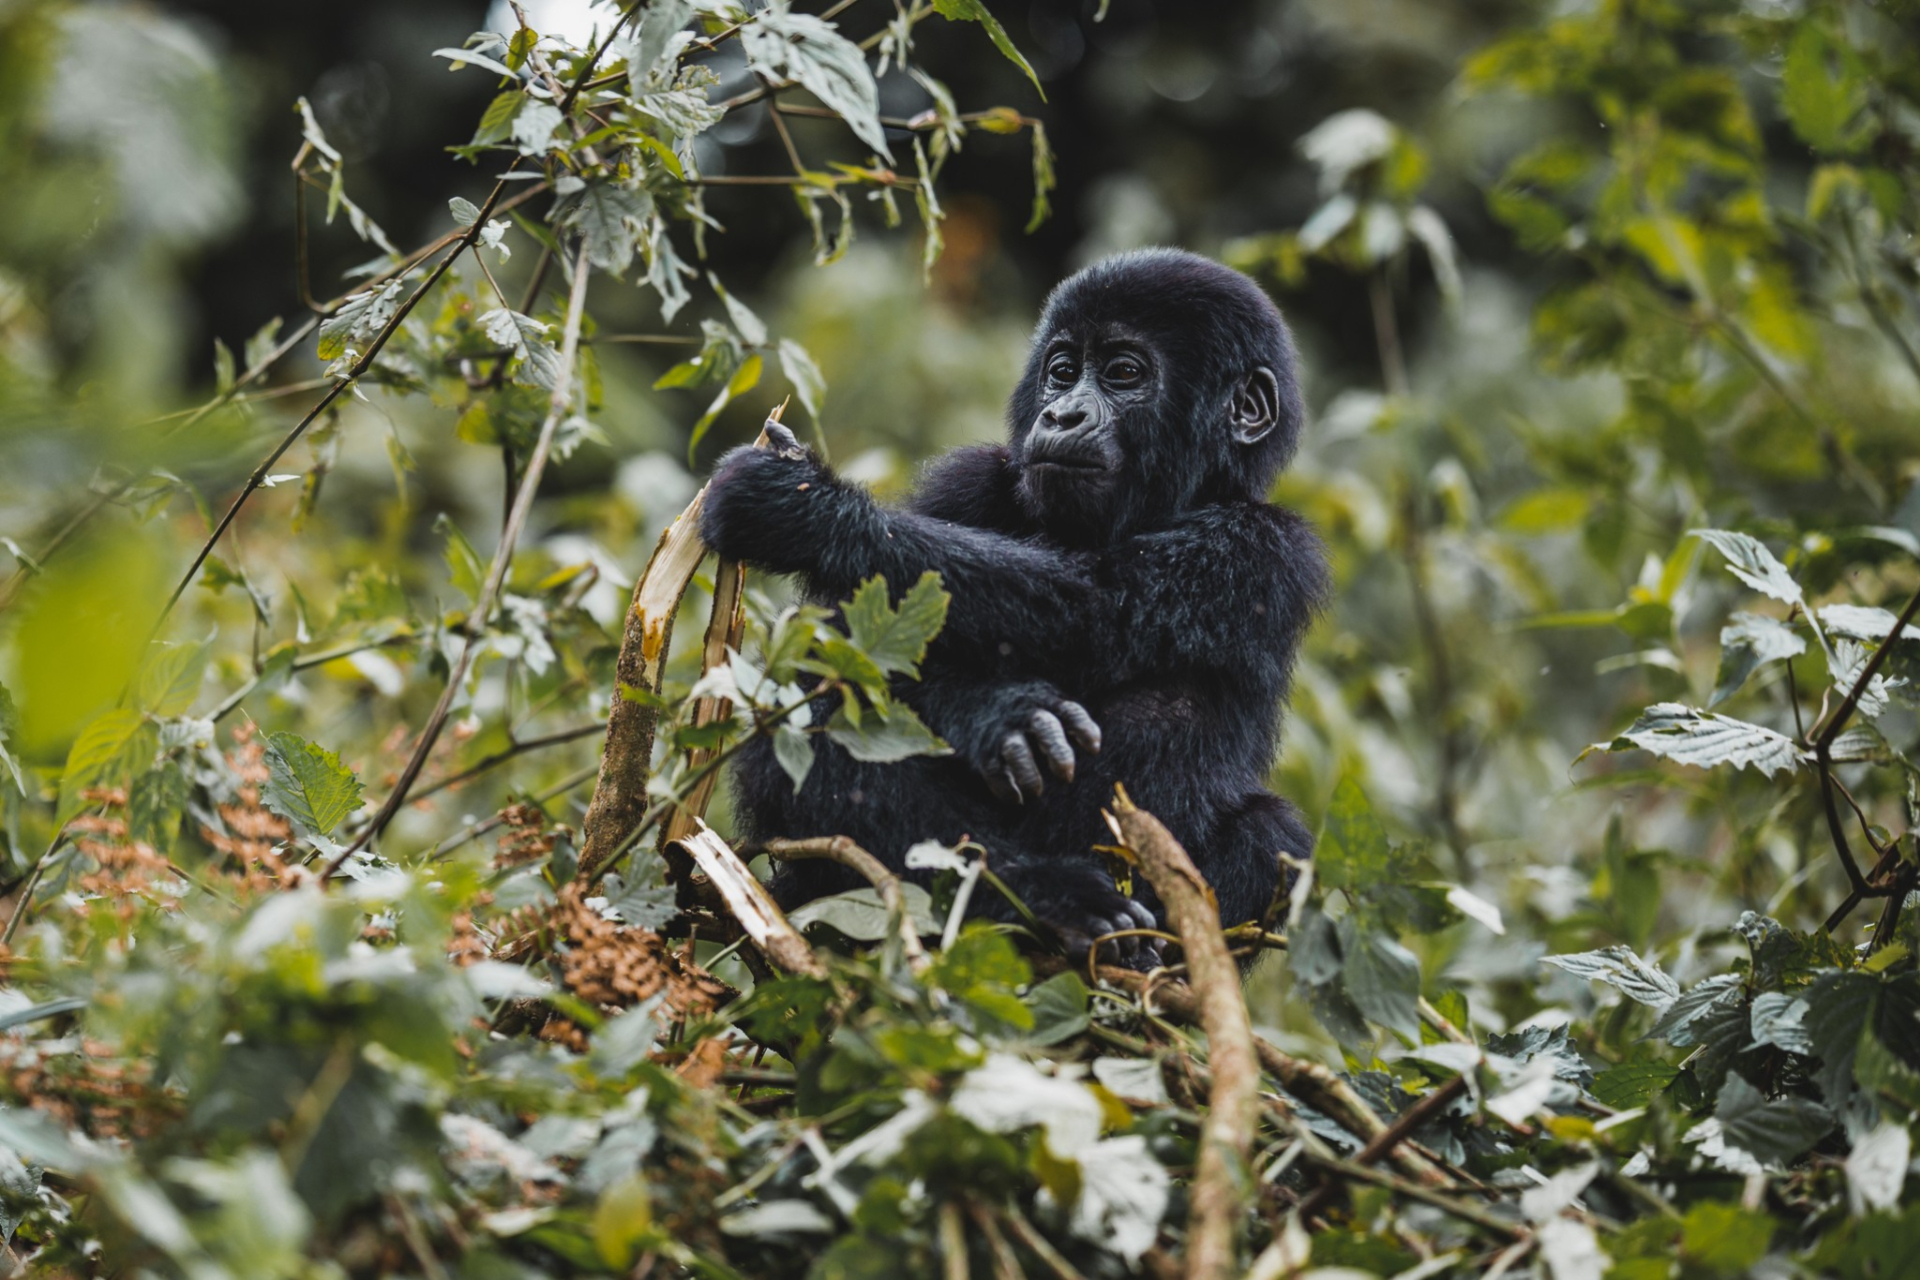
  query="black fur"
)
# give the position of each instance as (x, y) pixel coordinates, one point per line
(1157, 588)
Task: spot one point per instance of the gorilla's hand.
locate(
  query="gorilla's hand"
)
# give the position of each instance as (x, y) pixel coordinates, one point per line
(1020, 727)
(760, 501)
(1079, 901)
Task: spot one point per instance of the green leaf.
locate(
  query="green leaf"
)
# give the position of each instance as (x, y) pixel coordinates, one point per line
(223, 371)
(1705, 738)
(106, 754)
(793, 750)
(1632, 1084)
(750, 326)
(804, 49)
(308, 786)
(464, 566)
(880, 740)
(1382, 978)
(496, 125)
(171, 679)
(1823, 90)
(1748, 642)
(744, 379)
(1775, 1131)
(1621, 968)
(1352, 852)
(805, 377)
(9, 731)
(976, 11)
(1724, 1237)
(862, 916)
(155, 803)
(896, 641)
(1059, 1008)
(1044, 180)
(642, 897)
(1750, 561)
(611, 218)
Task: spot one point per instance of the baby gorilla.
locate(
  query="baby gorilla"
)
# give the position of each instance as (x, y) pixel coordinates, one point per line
(1126, 606)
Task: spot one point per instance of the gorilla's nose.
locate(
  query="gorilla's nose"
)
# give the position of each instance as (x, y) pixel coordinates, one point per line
(1066, 417)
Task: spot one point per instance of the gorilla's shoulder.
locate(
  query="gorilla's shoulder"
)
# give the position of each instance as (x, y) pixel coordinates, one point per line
(972, 486)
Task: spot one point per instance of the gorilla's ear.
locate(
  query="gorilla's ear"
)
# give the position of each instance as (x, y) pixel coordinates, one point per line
(1255, 407)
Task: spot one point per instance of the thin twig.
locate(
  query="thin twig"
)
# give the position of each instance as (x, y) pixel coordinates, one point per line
(850, 855)
(496, 573)
(519, 748)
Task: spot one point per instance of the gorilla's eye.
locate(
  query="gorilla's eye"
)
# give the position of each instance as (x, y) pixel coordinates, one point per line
(1061, 368)
(1125, 371)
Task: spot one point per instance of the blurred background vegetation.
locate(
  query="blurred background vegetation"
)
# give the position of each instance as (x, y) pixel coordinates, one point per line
(1569, 281)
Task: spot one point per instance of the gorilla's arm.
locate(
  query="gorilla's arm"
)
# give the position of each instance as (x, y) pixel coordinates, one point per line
(1232, 586)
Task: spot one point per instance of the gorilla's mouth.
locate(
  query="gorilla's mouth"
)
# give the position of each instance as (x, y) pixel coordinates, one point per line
(1065, 460)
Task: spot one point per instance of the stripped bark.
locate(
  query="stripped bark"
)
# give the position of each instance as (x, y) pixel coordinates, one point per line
(750, 903)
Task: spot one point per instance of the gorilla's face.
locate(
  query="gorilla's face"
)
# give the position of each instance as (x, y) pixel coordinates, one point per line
(1097, 391)
(1158, 380)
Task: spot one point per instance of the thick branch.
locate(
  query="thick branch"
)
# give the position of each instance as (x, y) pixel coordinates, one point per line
(1219, 1183)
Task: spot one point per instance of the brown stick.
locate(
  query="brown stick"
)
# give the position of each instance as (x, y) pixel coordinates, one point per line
(1399, 1131)
(848, 854)
(751, 904)
(1217, 1197)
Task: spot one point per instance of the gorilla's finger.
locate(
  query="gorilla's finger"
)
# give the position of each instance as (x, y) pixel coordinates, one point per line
(1001, 783)
(1052, 740)
(1080, 725)
(1019, 761)
(783, 441)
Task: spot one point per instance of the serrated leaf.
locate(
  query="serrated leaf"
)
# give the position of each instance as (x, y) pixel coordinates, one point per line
(1059, 1008)
(496, 124)
(155, 804)
(1353, 851)
(1632, 1084)
(1748, 642)
(358, 319)
(1773, 1131)
(1678, 1023)
(1822, 89)
(642, 897)
(537, 360)
(1778, 1019)
(808, 51)
(1863, 622)
(976, 11)
(611, 218)
(883, 741)
(1382, 978)
(1706, 738)
(1750, 561)
(896, 640)
(465, 212)
(1621, 968)
(308, 786)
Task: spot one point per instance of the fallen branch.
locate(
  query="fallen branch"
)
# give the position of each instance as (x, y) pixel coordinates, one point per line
(750, 903)
(1385, 1142)
(1220, 1187)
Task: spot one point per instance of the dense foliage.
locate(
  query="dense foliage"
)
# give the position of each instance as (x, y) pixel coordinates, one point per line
(1605, 965)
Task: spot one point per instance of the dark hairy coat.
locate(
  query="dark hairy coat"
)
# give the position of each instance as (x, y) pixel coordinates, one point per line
(1167, 597)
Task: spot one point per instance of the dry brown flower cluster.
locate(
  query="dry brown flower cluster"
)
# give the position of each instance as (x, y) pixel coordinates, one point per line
(90, 1090)
(526, 837)
(126, 869)
(613, 966)
(252, 830)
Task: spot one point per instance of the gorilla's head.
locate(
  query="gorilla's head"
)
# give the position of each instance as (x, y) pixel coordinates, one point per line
(1158, 380)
